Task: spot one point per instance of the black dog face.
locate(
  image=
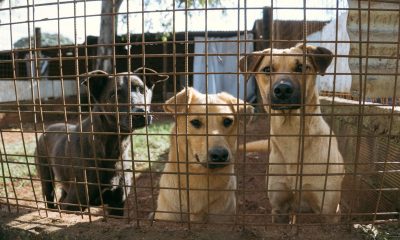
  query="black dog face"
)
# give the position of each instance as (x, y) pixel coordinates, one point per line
(125, 97)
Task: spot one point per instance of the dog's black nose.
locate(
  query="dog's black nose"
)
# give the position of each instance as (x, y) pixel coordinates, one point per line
(283, 90)
(285, 95)
(138, 110)
(218, 157)
(139, 118)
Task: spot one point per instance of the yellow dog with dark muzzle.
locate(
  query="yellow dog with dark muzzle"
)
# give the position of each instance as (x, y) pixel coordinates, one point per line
(198, 182)
(305, 173)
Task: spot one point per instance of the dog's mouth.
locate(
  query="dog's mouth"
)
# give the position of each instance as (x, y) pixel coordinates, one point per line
(291, 103)
(285, 95)
(136, 122)
(211, 164)
(285, 106)
(140, 121)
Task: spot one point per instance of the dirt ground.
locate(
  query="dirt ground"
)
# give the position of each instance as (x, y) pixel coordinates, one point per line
(32, 226)
(253, 221)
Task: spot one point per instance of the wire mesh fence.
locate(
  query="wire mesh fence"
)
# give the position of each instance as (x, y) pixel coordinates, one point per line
(238, 113)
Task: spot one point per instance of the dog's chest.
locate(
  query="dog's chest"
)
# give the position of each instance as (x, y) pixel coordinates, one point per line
(285, 149)
(296, 142)
(292, 150)
(298, 155)
(112, 149)
(104, 153)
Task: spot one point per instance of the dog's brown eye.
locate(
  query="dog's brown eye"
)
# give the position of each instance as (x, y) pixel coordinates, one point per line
(299, 68)
(196, 123)
(139, 89)
(267, 69)
(227, 122)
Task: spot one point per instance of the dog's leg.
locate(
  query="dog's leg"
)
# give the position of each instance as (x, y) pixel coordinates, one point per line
(331, 207)
(223, 211)
(115, 200)
(75, 199)
(330, 211)
(46, 177)
(171, 202)
(168, 206)
(63, 194)
(116, 196)
(164, 209)
(255, 146)
(309, 200)
(281, 199)
(199, 217)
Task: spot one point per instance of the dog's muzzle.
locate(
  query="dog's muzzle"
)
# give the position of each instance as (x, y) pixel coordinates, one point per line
(285, 95)
(139, 118)
(218, 157)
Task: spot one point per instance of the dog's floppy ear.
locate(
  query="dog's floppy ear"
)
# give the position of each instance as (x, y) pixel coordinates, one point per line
(320, 57)
(245, 111)
(150, 76)
(178, 102)
(96, 82)
(251, 63)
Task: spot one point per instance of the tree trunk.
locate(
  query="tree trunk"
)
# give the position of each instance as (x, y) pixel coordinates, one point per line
(108, 31)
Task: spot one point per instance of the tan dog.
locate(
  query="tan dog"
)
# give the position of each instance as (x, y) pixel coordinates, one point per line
(312, 163)
(203, 164)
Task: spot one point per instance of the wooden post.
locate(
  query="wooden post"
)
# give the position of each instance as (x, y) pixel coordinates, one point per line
(46, 88)
(108, 30)
(267, 20)
(165, 70)
(38, 38)
(266, 36)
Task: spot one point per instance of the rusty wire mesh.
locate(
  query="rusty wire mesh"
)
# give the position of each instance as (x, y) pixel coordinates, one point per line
(42, 84)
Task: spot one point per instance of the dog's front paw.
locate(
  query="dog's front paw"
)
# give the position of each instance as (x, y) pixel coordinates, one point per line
(280, 217)
(116, 212)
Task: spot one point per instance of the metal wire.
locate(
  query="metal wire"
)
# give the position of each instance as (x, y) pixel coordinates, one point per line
(364, 124)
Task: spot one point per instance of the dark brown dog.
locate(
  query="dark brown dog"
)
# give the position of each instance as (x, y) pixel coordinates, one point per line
(86, 161)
